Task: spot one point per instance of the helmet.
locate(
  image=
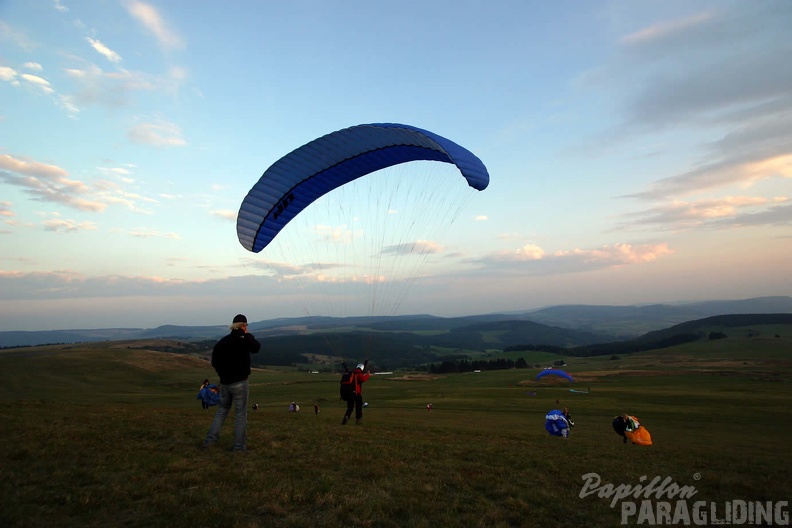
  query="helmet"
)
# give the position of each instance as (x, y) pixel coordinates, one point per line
(361, 366)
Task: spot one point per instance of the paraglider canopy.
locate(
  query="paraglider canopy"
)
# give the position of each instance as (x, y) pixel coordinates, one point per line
(299, 178)
(346, 223)
(557, 424)
(554, 372)
(629, 428)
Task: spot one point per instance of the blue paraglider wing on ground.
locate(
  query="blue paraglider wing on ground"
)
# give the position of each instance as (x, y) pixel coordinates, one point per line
(556, 423)
(554, 372)
(210, 397)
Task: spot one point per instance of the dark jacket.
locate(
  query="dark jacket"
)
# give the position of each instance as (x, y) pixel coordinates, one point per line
(231, 356)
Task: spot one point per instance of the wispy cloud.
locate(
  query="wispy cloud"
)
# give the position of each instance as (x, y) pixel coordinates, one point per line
(533, 260)
(67, 226)
(103, 50)
(716, 213)
(50, 183)
(154, 23)
(224, 214)
(16, 37)
(667, 29)
(37, 83)
(5, 209)
(47, 183)
(157, 134)
(8, 75)
(59, 284)
(728, 171)
(720, 76)
(419, 247)
(153, 233)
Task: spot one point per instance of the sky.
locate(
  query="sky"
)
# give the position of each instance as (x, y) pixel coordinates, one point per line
(639, 151)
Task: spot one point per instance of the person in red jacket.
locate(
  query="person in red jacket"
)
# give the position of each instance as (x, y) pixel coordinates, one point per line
(359, 376)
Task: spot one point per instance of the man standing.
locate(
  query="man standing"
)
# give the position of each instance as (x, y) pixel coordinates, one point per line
(231, 361)
(359, 376)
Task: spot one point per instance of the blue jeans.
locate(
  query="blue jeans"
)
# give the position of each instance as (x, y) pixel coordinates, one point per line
(236, 393)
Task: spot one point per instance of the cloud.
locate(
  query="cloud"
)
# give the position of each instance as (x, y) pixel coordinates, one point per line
(718, 75)
(153, 22)
(121, 173)
(50, 183)
(532, 260)
(481, 218)
(37, 83)
(719, 213)
(116, 88)
(16, 37)
(5, 209)
(224, 214)
(31, 168)
(67, 284)
(67, 226)
(419, 247)
(667, 29)
(8, 74)
(47, 183)
(159, 134)
(103, 50)
(153, 233)
(732, 164)
(699, 66)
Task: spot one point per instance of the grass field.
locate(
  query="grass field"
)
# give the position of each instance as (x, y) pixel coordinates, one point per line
(97, 435)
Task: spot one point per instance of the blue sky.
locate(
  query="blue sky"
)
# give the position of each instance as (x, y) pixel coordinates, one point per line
(639, 152)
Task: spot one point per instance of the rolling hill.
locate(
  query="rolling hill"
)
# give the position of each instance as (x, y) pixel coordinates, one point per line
(562, 326)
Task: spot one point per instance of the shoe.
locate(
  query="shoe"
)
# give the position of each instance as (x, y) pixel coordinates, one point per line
(344, 421)
(359, 421)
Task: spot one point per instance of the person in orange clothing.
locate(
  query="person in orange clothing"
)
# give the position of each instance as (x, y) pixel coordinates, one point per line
(359, 376)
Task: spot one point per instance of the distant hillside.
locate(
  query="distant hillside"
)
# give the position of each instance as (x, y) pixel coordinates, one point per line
(403, 348)
(635, 320)
(566, 326)
(710, 328)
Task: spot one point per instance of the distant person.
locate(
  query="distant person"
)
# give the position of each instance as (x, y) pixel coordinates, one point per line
(620, 426)
(231, 361)
(629, 428)
(316, 408)
(565, 412)
(293, 407)
(359, 376)
(204, 385)
(209, 396)
(429, 407)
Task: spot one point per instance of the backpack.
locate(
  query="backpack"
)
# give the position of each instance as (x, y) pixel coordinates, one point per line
(347, 387)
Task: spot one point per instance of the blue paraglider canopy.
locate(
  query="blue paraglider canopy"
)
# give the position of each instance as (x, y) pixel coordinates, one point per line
(326, 163)
(210, 395)
(557, 424)
(554, 372)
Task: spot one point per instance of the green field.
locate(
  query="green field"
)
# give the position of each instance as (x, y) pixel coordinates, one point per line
(99, 435)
